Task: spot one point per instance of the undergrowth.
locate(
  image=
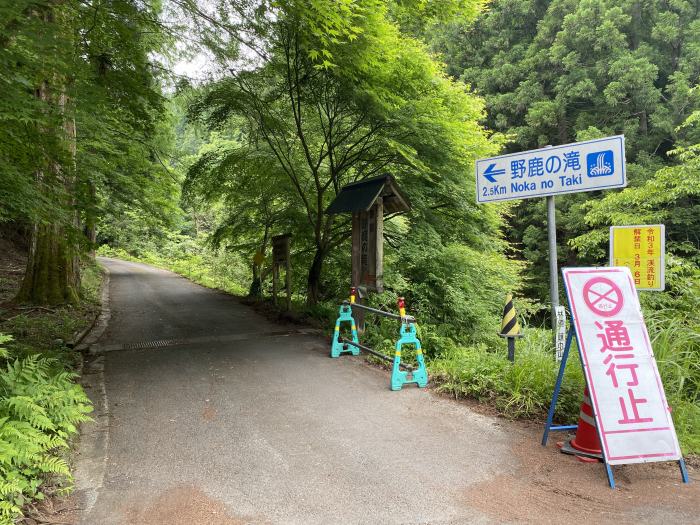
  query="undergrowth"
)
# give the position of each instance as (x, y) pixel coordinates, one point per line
(676, 344)
(40, 402)
(203, 267)
(522, 389)
(40, 408)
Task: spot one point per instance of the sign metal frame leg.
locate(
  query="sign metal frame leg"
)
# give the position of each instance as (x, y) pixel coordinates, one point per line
(684, 470)
(550, 415)
(557, 386)
(608, 471)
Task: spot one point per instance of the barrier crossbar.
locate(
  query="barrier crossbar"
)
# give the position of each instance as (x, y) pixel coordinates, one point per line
(374, 353)
(406, 318)
(401, 373)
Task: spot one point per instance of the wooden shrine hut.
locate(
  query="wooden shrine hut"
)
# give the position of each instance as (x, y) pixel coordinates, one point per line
(369, 201)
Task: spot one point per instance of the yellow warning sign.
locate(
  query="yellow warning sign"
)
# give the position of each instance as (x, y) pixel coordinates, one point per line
(258, 258)
(642, 249)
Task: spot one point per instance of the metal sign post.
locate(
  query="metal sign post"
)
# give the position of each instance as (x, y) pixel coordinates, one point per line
(553, 270)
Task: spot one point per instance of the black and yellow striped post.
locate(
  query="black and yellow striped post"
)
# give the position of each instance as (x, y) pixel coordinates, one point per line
(510, 327)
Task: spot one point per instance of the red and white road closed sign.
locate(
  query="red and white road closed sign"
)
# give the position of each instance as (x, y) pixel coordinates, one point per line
(633, 419)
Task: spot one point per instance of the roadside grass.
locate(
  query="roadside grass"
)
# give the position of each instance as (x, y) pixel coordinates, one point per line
(41, 403)
(206, 268)
(523, 389)
(676, 344)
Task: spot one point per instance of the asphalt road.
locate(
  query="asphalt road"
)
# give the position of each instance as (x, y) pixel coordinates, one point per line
(208, 413)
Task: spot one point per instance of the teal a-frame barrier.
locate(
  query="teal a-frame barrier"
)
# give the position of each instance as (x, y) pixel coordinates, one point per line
(401, 373)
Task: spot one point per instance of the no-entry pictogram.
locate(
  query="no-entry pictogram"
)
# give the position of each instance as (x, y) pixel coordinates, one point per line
(602, 296)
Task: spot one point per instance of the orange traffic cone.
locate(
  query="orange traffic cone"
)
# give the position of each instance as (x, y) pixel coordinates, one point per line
(586, 439)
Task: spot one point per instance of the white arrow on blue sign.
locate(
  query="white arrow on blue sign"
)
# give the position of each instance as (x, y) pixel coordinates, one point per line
(582, 166)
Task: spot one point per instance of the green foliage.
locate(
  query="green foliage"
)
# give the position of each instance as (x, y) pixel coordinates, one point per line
(520, 389)
(111, 99)
(79, 127)
(91, 282)
(670, 196)
(45, 330)
(557, 71)
(441, 288)
(49, 329)
(302, 132)
(192, 259)
(40, 406)
(552, 69)
(675, 338)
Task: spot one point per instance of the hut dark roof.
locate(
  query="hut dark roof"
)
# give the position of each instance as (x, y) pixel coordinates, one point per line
(361, 196)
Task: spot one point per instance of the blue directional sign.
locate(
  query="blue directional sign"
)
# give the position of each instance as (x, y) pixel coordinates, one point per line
(583, 166)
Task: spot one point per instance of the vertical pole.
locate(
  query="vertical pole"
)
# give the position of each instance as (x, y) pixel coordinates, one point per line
(379, 249)
(557, 386)
(288, 283)
(356, 267)
(275, 275)
(608, 471)
(511, 349)
(684, 471)
(288, 274)
(553, 270)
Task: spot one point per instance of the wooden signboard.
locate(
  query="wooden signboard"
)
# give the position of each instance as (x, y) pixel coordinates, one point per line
(368, 247)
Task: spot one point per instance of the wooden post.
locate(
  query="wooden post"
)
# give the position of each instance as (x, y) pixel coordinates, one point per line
(281, 257)
(288, 277)
(369, 272)
(356, 256)
(275, 273)
(356, 266)
(379, 246)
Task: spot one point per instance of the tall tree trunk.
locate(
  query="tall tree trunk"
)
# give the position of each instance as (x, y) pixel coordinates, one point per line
(53, 267)
(313, 281)
(91, 218)
(70, 182)
(50, 277)
(562, 127)
(643, 123)
(323, 234)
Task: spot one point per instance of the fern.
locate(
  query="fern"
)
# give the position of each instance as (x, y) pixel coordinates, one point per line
(40, 408)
